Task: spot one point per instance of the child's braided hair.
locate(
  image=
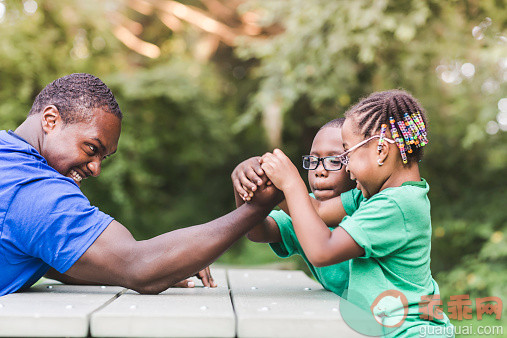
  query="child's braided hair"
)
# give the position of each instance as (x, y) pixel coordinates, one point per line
(401, 113)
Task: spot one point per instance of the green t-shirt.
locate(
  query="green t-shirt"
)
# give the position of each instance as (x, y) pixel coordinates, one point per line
(394, 228)
(334, 278)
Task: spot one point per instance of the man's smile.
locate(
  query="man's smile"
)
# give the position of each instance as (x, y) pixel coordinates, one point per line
(76, 176)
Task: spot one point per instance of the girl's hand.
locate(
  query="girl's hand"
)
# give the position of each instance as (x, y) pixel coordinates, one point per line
(280, 169)
(247, 177)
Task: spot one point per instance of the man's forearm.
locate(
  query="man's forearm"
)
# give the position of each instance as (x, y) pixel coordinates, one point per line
(173, 256)
(153, 265)
(53, 274)
(237, 199)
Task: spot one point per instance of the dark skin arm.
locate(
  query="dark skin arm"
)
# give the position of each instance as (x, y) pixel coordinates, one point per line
(204, 275)
(151, 266)
(53, 274)
(247, 178)
(321, 246)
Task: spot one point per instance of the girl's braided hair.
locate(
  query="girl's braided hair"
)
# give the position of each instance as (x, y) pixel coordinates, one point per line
(396, 109)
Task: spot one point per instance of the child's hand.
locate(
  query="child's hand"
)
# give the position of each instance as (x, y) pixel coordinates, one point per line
(279, 169)
(247, 177)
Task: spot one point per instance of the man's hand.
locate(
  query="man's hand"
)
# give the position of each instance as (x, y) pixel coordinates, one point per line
(204, 275)
(247, 177)
(267, 195)
(280, 170)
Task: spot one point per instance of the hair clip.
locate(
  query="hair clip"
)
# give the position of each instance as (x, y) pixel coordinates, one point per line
(399, 140)
(382, 135)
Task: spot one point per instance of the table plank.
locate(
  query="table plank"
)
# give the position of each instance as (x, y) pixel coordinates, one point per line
(272, 303)
(177, 312)
(52, 310)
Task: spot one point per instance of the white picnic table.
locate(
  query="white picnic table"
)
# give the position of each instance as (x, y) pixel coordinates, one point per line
(246, 303)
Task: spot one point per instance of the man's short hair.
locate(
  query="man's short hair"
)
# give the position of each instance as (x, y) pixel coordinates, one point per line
(74, 96)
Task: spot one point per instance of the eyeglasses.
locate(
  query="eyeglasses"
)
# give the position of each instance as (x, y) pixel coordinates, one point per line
(330, 163)
(344, 158)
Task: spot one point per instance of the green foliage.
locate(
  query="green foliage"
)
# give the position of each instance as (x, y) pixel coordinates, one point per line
(54, 41)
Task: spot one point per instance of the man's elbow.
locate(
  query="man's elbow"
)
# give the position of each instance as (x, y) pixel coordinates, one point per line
(145, 282)
(143, 276)
(148, 288)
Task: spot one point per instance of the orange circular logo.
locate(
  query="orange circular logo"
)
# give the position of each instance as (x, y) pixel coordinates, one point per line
(390, 308)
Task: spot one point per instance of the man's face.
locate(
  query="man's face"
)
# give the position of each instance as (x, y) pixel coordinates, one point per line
(76, 150)
(328, 184)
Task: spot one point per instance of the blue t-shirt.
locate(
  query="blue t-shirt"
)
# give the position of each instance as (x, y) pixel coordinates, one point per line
(45, 220)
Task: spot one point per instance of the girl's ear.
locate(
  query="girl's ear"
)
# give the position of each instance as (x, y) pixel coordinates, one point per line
(50, 117)
(383, 153)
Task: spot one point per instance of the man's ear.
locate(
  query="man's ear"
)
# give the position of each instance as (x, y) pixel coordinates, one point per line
(50, 117)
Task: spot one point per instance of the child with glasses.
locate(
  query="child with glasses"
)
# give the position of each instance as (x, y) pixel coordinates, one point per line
(384, 224)
(326, 178)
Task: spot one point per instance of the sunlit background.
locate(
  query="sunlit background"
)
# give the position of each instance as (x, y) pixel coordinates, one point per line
(206, 84)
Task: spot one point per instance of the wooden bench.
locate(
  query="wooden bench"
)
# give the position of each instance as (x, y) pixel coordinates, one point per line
(247, 303)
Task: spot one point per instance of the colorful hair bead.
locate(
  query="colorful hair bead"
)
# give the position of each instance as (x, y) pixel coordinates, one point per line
(413, 129)
(398, 139)
(382, 135)
(406, 135)
(420, 125)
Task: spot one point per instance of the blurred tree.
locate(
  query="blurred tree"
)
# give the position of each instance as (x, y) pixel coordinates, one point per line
(42, 41)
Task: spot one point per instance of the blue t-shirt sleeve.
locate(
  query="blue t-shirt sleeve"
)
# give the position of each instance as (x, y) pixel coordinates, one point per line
(378, 227)
(52, 220)
(287, 247)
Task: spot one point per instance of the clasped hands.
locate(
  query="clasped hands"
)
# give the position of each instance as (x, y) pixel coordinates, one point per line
(262, 179)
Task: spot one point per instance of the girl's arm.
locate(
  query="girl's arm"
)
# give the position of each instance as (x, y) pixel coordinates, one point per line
(330, 211)
(321, 246)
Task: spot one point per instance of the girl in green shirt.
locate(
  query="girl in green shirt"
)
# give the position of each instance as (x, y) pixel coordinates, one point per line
(384, 224)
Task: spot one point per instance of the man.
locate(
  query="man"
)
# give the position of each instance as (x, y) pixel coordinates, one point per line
(48, 226)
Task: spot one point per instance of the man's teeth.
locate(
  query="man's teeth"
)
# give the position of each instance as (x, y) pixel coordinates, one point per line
(75, 176)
